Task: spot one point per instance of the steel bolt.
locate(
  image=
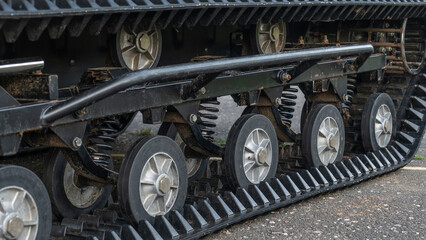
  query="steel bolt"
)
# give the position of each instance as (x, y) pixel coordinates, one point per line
(81, 112)
(285, 77)
(193, 118)
(345, 97)
(350, 67)
(77, 142)
(15, 226)
(202, 90)
(277, 101)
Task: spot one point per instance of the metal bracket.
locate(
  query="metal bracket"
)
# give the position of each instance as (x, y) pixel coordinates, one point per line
(153, 115)
(303, 67)
(274, 94)
(9, 145)
(6, 100)
(191, 132)
(340, 86)
(196, 86)
(71, 134)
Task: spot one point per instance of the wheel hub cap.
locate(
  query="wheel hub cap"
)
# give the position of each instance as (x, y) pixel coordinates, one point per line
(15, 226)
(159, 184)
(139, 50)
(270, 38)
(275, 33)
(328, 141)
(18, 214)
(383, 126)
(257, 157)
(164, 185)
(261, 156)
(144, 42)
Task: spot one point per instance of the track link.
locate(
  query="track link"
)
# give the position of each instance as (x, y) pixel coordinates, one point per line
(210, 212)
(55, 17)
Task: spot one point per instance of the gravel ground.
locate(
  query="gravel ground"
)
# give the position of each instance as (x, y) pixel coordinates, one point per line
(422, 149)
(387, 207)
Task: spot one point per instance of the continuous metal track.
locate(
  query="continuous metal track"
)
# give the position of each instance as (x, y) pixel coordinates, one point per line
(215, 211)
(96, 16)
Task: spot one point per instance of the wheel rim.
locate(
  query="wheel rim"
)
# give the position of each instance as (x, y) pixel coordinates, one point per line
(383, 126)
(139, 50)
(257, 156)
(18, 214)
(328, 141)
(80, 197)
(270, 38)
(192, 164)
(159, 184)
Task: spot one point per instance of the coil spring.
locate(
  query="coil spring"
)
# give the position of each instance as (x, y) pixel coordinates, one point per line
(208, 113)
(101, 134)
(288, 103)
(351, 90)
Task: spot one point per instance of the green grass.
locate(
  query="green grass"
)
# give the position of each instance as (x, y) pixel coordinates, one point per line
(220, 141)
(419, 157)
(145, 132)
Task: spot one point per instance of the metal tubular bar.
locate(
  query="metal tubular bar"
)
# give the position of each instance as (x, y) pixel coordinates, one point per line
(20, 65)
(182, 71)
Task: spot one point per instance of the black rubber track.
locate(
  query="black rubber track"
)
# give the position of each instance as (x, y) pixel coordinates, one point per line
(96, 16)
(217, 211)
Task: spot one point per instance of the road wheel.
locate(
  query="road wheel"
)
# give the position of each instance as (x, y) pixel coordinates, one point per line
(323, 136)
(25, 211)
(153, 179)
(251, 154)
(69, 198)
(378, 122)
(270, 37)
(137, 50)
(196, 167)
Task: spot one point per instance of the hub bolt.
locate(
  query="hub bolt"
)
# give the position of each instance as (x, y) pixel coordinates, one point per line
(15, 226)
(262, 156)
(164, 185)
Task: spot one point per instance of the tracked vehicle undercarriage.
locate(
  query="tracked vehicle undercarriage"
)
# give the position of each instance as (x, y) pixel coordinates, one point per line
(74, 73)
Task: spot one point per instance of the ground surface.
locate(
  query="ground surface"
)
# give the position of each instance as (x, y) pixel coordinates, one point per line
(387, 207)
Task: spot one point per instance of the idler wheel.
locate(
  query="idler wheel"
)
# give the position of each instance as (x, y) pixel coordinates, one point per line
(69, 195)
(251, 153)
(152, 180)
(323, 136)
(196, 167)
(378, 122)
(25, 211)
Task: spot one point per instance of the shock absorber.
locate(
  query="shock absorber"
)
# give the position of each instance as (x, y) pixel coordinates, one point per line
(101, 134)
(208, 113)
(288, 103)
(347, 105)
